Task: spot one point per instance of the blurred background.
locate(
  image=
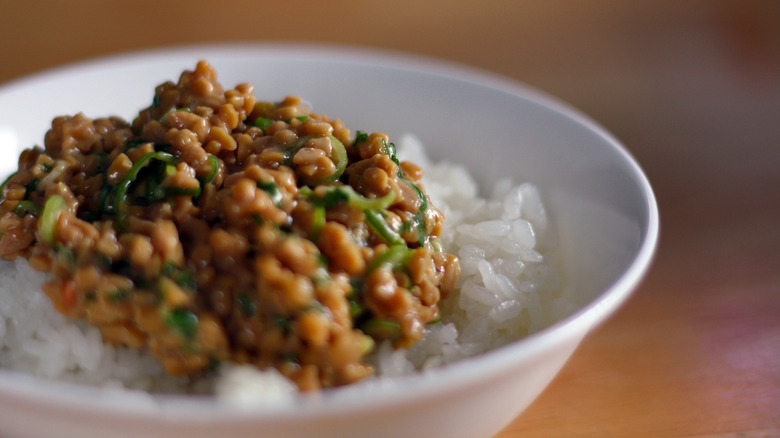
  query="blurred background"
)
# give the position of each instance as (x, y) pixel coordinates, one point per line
(691, 87)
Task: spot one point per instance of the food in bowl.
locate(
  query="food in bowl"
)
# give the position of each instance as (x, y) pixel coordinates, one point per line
(215, 228)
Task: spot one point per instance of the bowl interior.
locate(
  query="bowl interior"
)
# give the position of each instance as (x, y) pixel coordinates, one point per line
(597, 196)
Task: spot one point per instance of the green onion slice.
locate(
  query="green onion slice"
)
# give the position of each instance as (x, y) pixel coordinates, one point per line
(381, 328)
(47, 226)
(378, 225)
(24, 207)
(262, 122)
(340, 194)
(395, 256)
(183, 322)
(272, 190)
(338, 155)
(317, 222)
(120, 198)
(214, 161)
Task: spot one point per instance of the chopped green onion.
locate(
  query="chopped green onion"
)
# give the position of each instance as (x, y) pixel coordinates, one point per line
(24, 207)
(284, 324)
(183, 322)
(31, 185)
(120, 198)
(338, 155)
(378, 225)
(273, 191)
(103, 198)
(356, 309)
(214, 161)
(247, 306)
(316, 306)
(397, 255)
(290, 357)
(119, 295)
(339, 158)
(290, 152)
(360, 137)
(367, 345)
(262, 122)
(317, 222)
(419, 217)
(47, 226)
(339, 194)
(303, 118)
(364, 203)
(436, 244)
(381, 328)
(182, 276)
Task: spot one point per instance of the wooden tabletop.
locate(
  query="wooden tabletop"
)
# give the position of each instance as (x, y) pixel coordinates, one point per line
(693, 90)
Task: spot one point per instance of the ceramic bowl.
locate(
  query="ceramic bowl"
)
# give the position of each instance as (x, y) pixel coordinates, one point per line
(598, 197)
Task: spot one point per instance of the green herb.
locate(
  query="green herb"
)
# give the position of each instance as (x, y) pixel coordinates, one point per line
(31, 185)
(356, 309)
(183, 322)
(247, 306)
(182, 276)
(320, 276)
(262, 122)
(214, 161)
(378, 225)
(120, 198)
(360, 137)
(273, 191)
(290, 357)
(303, 118)
(65, 255)
(317, 222)
(47, 225)
(284, 324)
(214, 364)
(316, 306)
(419, 217)
(119, 295)
(24, 207)
(338, 155)
(395, 256)
(381, 328)
(103, 204)
(341, 194)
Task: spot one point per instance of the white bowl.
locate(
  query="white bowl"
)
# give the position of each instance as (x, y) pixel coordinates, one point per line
(601, 203)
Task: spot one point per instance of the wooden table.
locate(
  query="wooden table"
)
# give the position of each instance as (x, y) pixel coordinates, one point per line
(693, 90)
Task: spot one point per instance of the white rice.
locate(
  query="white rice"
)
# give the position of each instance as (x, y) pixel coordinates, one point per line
(510, 286)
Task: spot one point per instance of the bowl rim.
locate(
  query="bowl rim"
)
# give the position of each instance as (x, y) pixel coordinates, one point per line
(418, 386)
